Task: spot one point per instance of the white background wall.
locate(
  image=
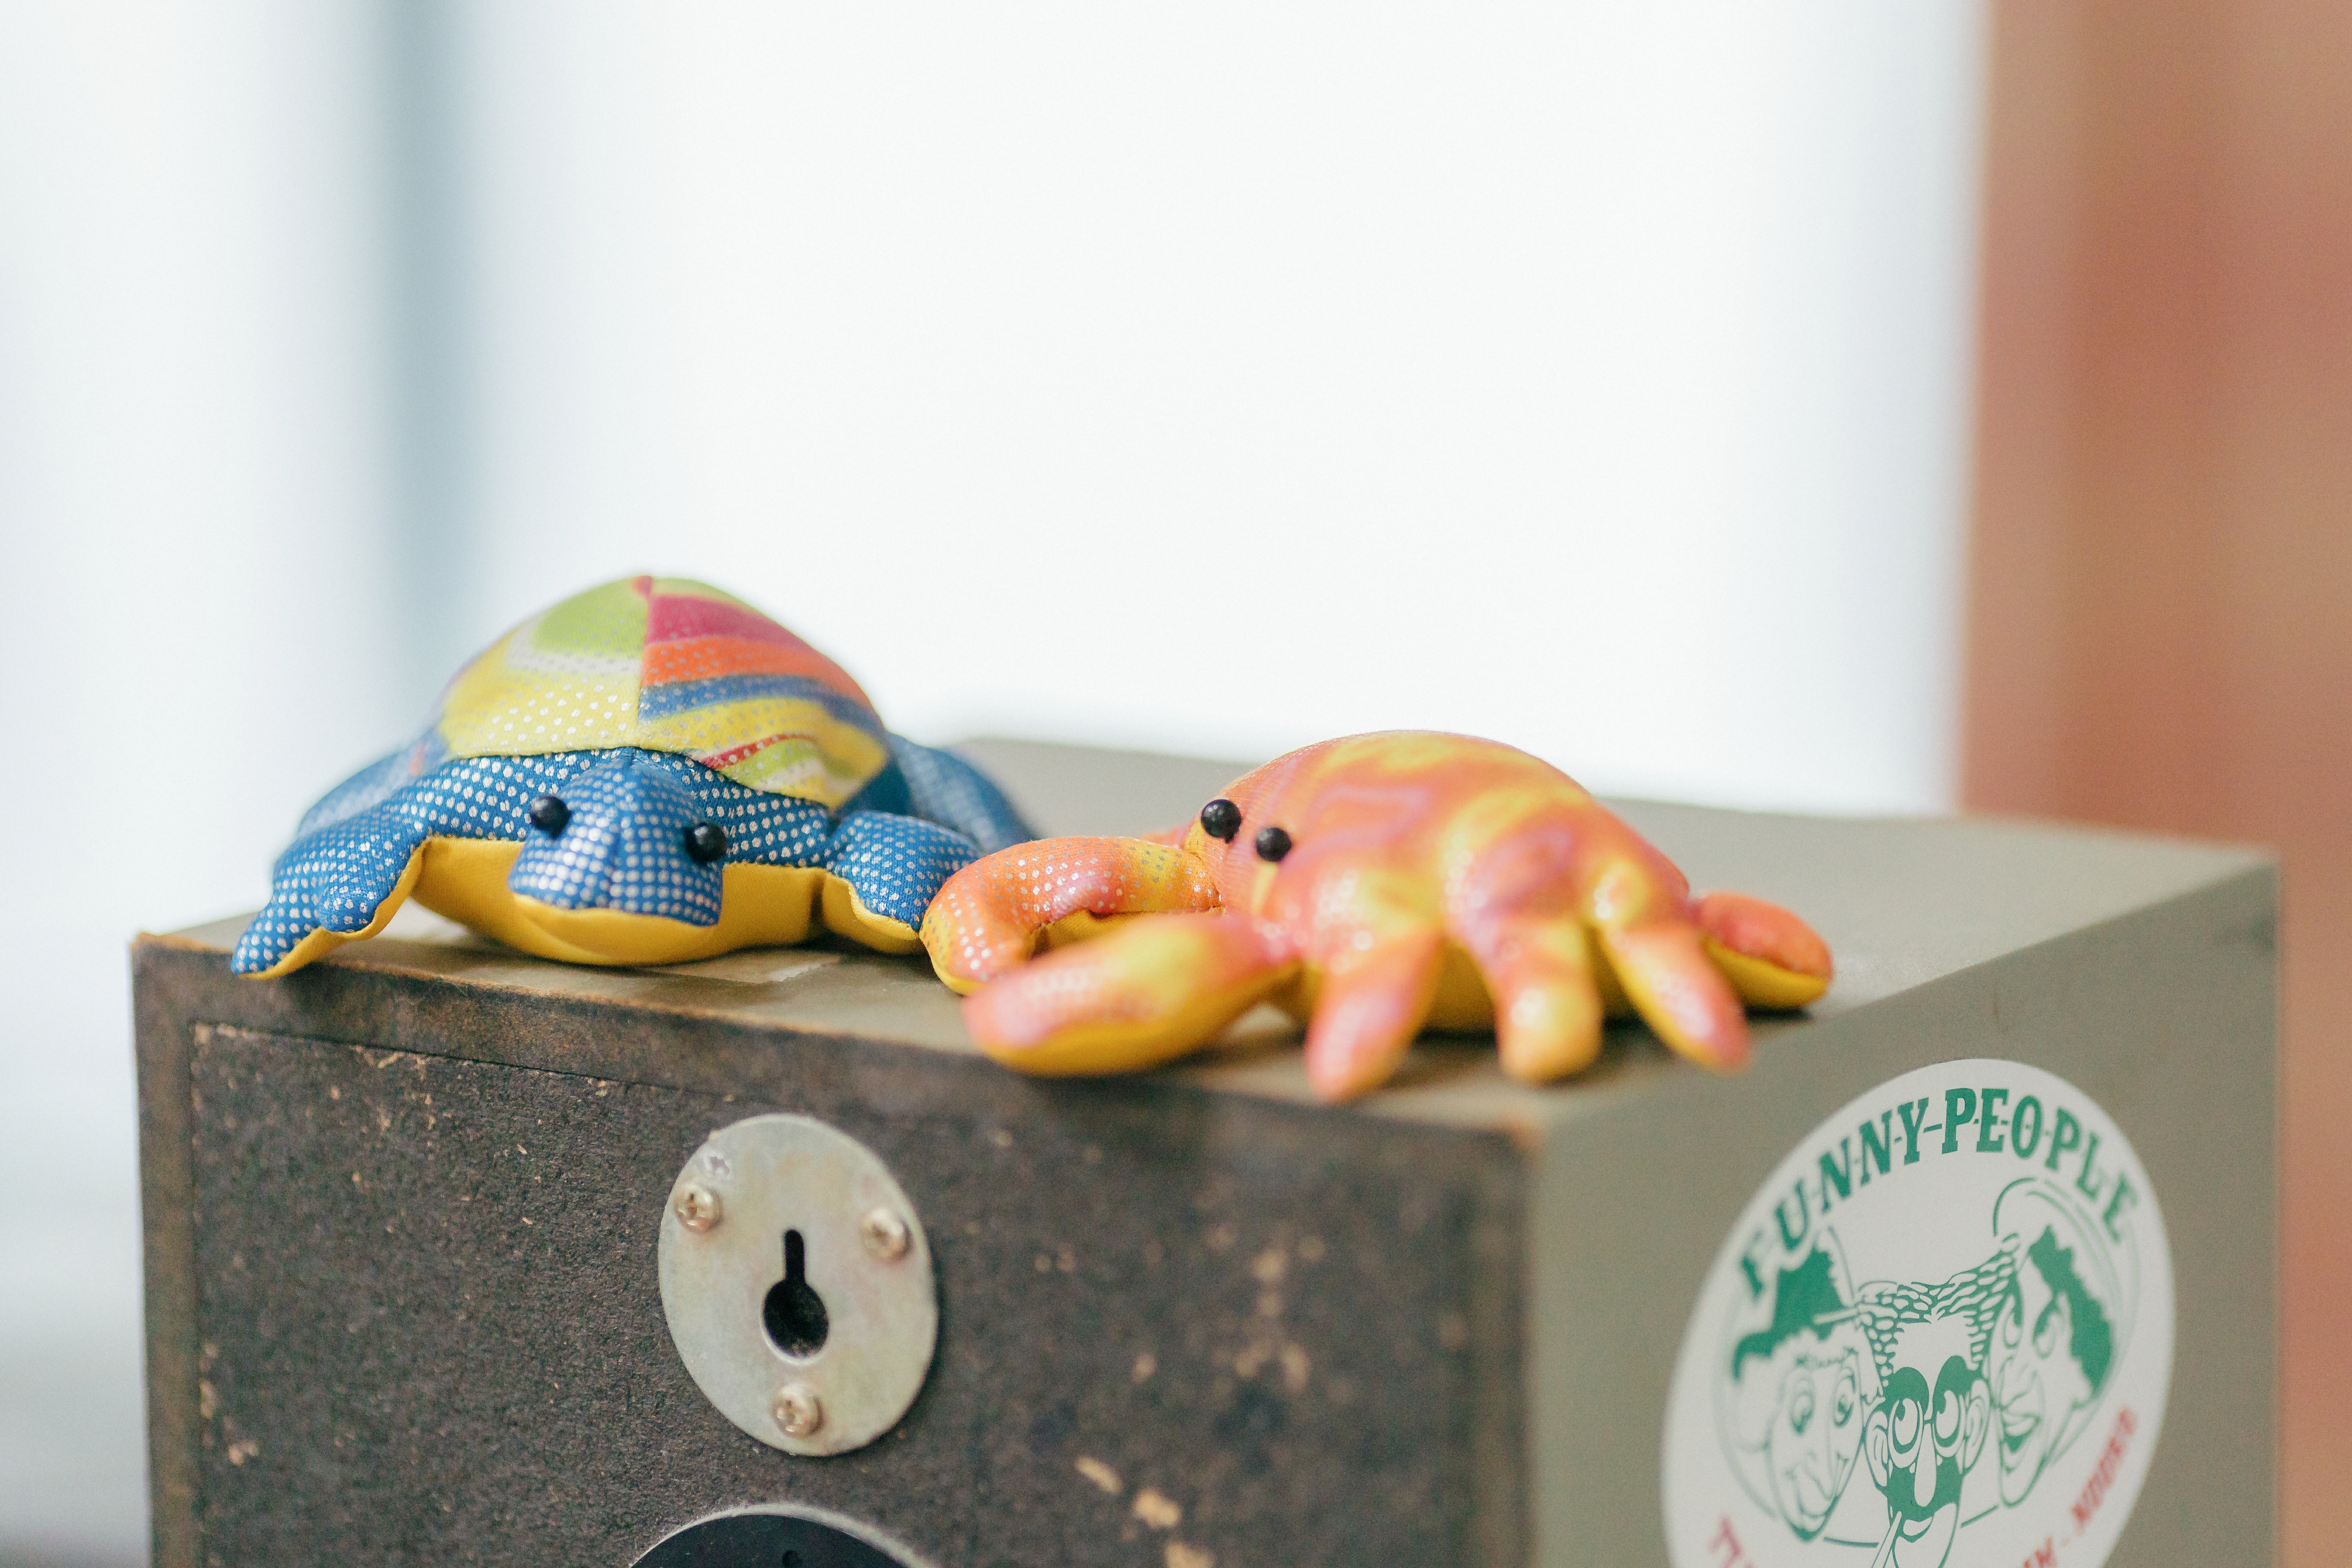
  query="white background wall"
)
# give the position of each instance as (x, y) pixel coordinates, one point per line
(1222, 377)
(1210, 378)
(191, 473)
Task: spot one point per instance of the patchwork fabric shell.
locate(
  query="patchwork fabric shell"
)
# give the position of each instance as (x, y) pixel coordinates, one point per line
(667, 665)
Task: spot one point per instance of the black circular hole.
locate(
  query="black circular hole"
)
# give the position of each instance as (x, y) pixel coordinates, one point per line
(1273, 843)
(548, 815)
(705, 841)
(793, 1313)
(1220, 819)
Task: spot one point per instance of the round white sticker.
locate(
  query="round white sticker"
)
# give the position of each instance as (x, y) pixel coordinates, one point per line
(1940, 1334)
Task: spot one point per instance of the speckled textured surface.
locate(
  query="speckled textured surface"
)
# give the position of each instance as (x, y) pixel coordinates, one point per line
(431, 1332)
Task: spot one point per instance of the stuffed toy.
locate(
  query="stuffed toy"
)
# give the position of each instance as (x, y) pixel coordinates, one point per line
(650, 773)
(1369, 886)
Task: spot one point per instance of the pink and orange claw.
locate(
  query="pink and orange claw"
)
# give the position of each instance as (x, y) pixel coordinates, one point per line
(1408, 880)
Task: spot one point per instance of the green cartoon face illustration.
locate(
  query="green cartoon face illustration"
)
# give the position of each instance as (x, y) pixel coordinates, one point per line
(1805, 1383)
(1816, 1433)
(1928, 1429)
(2051, 1352)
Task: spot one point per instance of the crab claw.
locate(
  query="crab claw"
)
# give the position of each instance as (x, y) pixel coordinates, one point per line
(990, 917)
(1772, 958)
(1145, 994)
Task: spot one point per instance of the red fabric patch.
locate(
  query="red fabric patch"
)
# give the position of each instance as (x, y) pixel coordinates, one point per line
(670, 617)
(691, 638)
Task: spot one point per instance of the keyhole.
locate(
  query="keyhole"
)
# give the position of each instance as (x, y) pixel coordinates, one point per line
(794, 1311)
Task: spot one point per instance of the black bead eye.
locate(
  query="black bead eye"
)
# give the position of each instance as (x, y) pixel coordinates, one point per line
(1220, 819)
(705, 841)
(548, 815)
(1273, 843)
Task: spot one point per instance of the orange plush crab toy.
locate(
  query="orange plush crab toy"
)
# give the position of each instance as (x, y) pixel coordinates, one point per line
(1369, 886)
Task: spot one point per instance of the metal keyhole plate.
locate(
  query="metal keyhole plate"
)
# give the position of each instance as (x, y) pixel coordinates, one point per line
(779, 1187)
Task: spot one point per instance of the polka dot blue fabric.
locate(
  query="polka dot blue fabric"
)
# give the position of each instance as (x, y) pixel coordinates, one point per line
(897, 863)
(623, 847)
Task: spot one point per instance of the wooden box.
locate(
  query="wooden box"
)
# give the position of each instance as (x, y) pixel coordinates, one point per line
(402, 1213)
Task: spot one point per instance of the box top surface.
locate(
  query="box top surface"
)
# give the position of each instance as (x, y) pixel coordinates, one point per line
(1901, 901)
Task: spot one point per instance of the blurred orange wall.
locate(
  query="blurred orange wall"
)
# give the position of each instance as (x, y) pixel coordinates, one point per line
(2161, 618)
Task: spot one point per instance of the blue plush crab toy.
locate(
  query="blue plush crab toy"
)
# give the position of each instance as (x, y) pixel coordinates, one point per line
(650, 773)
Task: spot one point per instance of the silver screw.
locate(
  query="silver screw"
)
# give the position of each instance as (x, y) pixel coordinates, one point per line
(696, 1205)
(797, 1410)
(885, 1233)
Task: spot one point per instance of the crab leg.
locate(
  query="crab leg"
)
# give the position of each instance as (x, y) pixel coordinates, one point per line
(988, 918)
(1678, 991)
(1689, 971)
(1524, 909)
(1540, 971)
(1369, 1005)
